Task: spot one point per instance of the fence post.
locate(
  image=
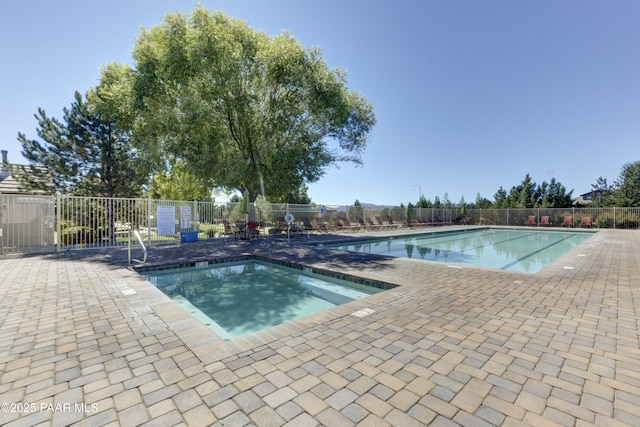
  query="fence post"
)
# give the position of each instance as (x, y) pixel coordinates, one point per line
(614, 217)
(58, 220)
(194, 217)
(149, 221)
(1, 236)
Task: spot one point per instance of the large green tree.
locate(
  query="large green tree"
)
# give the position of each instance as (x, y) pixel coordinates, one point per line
(554, 195)
(602, 194)
(85, 153)
(253, 113)
(179, 183)
(528, 194)
(627, 186)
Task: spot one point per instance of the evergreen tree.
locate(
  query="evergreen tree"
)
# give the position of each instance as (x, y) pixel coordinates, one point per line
(481, 202)
(556, 195)
(500, 199)
(527, 193)
(84, 154)
(423, 202)
(602, 194)
(627, 186)
(446, 201)
(298, 196)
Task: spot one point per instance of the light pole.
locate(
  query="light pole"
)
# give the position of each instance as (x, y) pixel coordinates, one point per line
(419, 191)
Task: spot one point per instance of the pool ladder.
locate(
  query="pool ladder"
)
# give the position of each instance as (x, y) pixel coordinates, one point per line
(136, 233)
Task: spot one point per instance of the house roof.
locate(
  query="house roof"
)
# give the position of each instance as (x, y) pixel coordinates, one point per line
(8, 183)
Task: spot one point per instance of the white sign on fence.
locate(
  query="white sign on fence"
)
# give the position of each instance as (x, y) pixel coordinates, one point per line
(166, 216)
(185, 216)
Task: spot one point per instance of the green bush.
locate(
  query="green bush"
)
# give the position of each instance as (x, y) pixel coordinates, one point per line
(619, 220)
(78, 235)
(627, 220)
(605, 220)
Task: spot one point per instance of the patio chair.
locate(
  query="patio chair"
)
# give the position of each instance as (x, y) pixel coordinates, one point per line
(228, 230)
(391, 223)
(567, 221)
(544, 221)
(419, 222)
(371, 223)
(253, 230)
(361, 222)
(241, 230)
(338, 225)
(382, 224)
(292, 229)
(345, 224)
(322, 224)
(281, 226)
(306, 224)
(585, 221)
(531, 221)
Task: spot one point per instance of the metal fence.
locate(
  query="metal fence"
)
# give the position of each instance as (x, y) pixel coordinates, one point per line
(30, 224)
(621, 218)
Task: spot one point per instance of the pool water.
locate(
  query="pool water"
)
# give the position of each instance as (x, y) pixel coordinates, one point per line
(526, 251)
(238, 298)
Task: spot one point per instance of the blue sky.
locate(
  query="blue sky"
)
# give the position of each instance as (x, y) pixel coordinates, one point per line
(469, 95)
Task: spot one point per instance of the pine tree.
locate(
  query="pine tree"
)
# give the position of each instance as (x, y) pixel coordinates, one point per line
(84, 154)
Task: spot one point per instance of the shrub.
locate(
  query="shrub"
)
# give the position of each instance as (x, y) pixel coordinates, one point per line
(605, 220)
(627, 220)
(619, 220)
(78, 235)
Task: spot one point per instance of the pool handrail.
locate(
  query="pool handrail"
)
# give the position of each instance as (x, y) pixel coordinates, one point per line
(139, 239)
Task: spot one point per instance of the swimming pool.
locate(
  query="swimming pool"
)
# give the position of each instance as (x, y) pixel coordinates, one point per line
(526, 251)
(237, 298)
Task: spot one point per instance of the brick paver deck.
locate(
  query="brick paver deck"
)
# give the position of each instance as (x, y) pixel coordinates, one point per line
(86, 341)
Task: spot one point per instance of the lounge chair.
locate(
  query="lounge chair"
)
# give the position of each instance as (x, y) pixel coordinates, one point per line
(464, 220)
(288, 229)
(531, 221)
(281, 226)
(391, 223)
(567, 221)
(337, 224)
(544, 221)
(414, 222)
(382, 224)
(422, 222)
(361, 222)
(346, 225)
(322, 224)
(306, 224)
(585, 221)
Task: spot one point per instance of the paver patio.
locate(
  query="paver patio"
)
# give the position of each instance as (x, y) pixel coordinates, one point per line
(86, 341)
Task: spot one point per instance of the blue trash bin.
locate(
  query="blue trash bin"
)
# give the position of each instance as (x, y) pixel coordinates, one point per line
(188, 236)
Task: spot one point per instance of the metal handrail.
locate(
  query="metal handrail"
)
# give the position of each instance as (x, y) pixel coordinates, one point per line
(139, 239)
